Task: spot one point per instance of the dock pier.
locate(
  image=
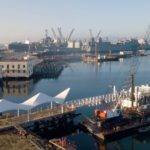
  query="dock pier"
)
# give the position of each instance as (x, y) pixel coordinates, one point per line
(68, 110)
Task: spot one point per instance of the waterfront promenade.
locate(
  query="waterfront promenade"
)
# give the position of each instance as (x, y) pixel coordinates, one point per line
(53, 110)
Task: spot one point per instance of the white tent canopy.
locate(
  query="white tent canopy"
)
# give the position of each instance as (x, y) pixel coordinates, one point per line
(63, 94)
(7, 105)
(36, 100)
(60, 98)
(42, 98)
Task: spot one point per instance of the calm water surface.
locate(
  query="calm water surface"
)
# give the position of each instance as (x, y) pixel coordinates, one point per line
(87, 80)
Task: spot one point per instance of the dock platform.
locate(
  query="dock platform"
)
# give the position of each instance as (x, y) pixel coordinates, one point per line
(104, 135)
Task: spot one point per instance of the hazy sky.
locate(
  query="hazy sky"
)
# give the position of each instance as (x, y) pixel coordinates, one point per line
(22, 19)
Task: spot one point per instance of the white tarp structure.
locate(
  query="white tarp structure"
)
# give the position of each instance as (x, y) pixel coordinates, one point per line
(34, 101)
(42, 98)
(63, 94)
(60, 98)
(7, 105)
(38, 99)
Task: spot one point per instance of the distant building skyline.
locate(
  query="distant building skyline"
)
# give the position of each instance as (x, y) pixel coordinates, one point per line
(21, 20)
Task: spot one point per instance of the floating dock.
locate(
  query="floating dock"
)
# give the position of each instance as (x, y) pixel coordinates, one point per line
(117, 132)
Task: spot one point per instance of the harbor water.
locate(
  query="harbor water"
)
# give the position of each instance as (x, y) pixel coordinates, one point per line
(86, 80)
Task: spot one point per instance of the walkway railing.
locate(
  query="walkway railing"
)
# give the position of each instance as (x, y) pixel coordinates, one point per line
(38, 115)
(98, 100)
(64, 108)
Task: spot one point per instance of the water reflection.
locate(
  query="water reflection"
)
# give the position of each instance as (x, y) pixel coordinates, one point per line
(17, 88)
(23, 87)
(143, 138)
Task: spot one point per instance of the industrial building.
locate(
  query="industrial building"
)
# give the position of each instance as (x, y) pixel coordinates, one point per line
(18, 68)
(74, 44)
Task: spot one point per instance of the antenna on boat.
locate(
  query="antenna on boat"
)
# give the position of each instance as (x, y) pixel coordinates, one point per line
(132, 89)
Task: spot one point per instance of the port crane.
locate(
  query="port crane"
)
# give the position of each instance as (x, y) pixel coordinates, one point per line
(60, 34)
(94, 42)
(46, 33)
(96, 37)
(91, 34)
(147, 35)
(71, 32)
(61, 37)
(47, 40)
(54, 34)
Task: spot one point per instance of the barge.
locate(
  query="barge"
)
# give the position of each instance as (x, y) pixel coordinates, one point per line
(115, 133)
(98, 58)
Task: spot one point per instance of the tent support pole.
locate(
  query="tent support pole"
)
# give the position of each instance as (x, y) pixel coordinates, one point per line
(51, 105)
(28, 116)
(18, 113)
(62, 109)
